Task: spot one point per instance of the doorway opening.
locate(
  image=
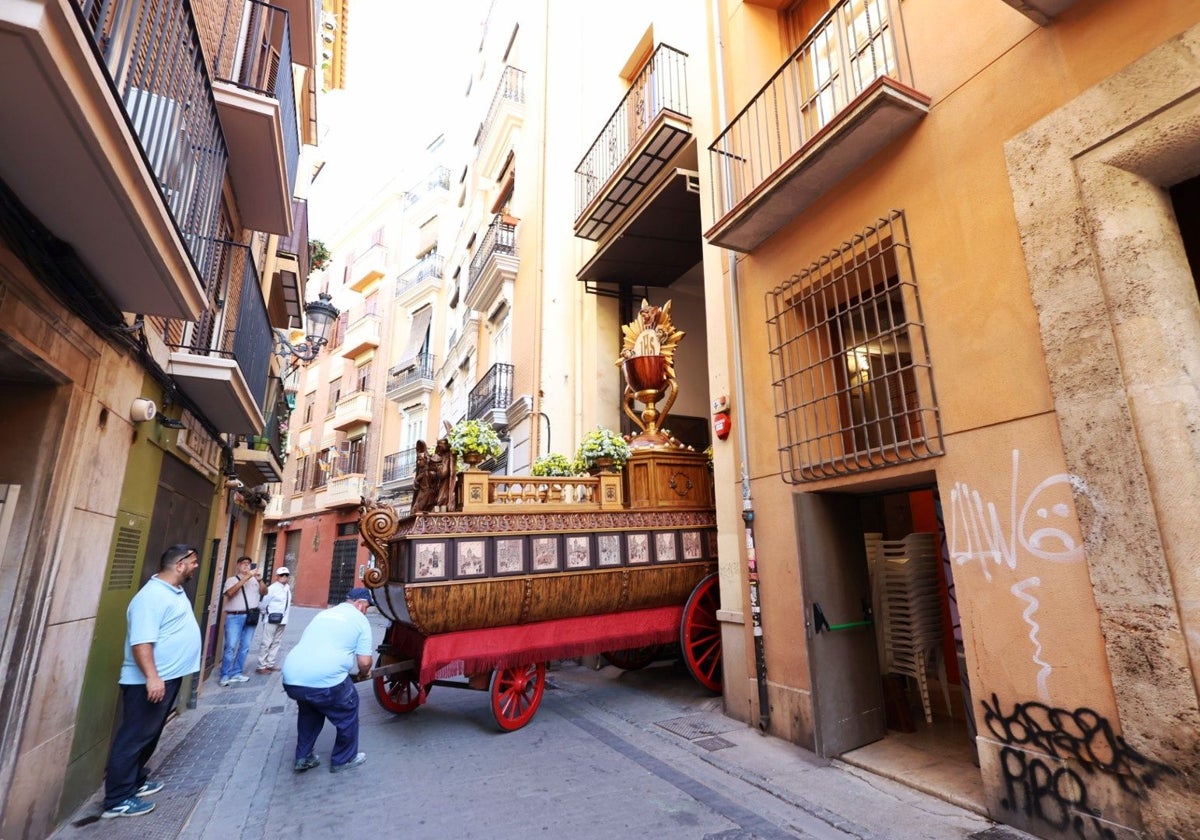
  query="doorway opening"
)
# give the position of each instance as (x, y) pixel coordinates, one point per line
(902, 671)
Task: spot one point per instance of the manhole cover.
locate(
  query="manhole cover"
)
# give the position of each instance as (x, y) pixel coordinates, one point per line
(700, 726)
(714, 743)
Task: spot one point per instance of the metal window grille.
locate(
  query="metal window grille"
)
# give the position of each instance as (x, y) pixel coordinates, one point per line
(850, 364)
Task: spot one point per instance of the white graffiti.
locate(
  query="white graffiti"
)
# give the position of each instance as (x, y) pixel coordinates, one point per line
(1043, 678)
(1042, 529)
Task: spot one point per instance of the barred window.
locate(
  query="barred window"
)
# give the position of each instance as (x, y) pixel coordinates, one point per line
(850, 363)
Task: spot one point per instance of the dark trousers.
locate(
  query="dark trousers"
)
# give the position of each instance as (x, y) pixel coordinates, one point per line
(142, 724)
(339, 705)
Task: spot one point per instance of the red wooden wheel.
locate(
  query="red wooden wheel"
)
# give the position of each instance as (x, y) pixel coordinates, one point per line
(398, 693)
(516, 694)
(632, 659)
(700, 635)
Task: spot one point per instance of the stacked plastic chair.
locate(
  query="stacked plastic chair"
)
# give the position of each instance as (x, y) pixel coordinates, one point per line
(908, 610)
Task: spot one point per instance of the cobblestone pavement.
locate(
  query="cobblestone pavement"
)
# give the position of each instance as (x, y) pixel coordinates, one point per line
(609, 754)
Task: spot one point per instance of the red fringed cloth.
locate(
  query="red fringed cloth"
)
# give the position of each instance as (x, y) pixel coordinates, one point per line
(477, 651)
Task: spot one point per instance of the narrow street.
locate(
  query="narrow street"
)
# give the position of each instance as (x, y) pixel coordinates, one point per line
(610, 754)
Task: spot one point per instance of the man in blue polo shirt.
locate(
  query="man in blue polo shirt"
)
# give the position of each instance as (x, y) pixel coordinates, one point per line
(162, 646)
(316, 674)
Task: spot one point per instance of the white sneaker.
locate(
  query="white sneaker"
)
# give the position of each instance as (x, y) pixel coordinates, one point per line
(239, 678)
(224, 681)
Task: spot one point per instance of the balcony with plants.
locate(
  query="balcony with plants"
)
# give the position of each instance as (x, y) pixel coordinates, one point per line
(222, 360)
(256, 97)
(494, 265)
(644, 135)
(843, 95)
(117, 95)
(259, 459)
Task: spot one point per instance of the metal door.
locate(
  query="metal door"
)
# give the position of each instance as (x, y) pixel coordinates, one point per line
(847, 693)
(341, 572)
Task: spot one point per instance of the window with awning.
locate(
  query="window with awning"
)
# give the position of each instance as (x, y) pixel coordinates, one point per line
(418, 340)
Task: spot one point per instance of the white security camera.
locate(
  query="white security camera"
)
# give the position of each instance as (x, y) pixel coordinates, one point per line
(142, 410)
(234, 483)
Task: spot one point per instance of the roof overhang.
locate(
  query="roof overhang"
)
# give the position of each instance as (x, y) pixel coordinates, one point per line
(657, 242)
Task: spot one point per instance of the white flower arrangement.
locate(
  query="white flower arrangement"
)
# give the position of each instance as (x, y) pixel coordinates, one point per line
(602, 443)
(471, 436)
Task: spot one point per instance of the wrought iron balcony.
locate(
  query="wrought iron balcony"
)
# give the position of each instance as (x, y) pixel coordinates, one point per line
(491, 394)
(401, 383)
(511, 90)
(494, 261)
(642, 136)
(222, 360)
(257, 100)
(429, 266)
(841, 97)
(399, 466)
(438, 179)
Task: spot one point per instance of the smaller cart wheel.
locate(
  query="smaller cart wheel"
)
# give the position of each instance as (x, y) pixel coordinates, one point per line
(516, 694)
(700, 635)
(631, 659)
(398, 693)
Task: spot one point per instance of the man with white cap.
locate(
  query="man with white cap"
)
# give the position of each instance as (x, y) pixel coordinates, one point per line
(317, 675)
(276, 605)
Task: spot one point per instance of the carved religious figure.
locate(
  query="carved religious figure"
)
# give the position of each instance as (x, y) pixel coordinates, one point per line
(434, 478)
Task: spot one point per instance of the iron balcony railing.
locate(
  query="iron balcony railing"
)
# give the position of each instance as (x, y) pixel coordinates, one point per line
(424, 368)
(438, 179)
(234, 325)
(501, 238)
(430, 265)
(855, 43)
(400, 465)
(510, 89)
(151, 52)
(493, 391)
(276, 414)
(255, 54)
(660, 86)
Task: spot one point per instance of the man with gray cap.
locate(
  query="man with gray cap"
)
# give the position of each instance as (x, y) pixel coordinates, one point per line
(276, 606)
(317, 675)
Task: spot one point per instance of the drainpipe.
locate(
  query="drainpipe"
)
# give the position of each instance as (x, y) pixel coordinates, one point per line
(739, 419)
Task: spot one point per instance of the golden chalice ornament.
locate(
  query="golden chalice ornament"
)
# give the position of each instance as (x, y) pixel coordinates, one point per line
(648, 359)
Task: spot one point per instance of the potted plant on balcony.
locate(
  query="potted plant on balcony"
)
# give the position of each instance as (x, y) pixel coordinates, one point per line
(472, 441)
(554, 465)
(602, 449)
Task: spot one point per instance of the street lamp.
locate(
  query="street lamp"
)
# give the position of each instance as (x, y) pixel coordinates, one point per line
(319, 315)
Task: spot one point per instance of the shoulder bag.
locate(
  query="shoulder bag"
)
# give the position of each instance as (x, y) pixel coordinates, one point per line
(251, 614)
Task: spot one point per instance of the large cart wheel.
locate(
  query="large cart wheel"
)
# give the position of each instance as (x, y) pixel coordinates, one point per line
(700, 635)
(632, 659)
(398, 693)
(516, 694)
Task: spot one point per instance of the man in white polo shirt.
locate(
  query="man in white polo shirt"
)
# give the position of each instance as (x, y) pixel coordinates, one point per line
(316, 674)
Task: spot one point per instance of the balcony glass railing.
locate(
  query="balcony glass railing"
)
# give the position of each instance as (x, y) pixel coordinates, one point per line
(400, 465)
(151, 52)
(234, 325)
(493, 391)
(660, 86)
(501, 238)
(855, 43)
(255, 54)
(430, 265)
(511, 89)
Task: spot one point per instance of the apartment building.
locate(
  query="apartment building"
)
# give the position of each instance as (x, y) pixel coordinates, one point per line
(151, 244)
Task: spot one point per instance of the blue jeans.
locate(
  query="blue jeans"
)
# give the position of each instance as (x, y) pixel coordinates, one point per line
(237, 644)
(141, 725)
(340, 705)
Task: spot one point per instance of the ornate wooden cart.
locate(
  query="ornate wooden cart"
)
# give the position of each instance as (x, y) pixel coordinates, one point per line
(534, 570)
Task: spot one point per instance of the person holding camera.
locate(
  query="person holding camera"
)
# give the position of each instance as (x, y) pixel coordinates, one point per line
(276, 605)
(243, 592)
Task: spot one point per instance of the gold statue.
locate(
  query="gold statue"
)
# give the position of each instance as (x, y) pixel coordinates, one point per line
(648, 359)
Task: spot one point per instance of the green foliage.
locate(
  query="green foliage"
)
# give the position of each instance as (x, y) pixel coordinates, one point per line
(602, 443)
(554, 464)
(473, 436)
(318, 255)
